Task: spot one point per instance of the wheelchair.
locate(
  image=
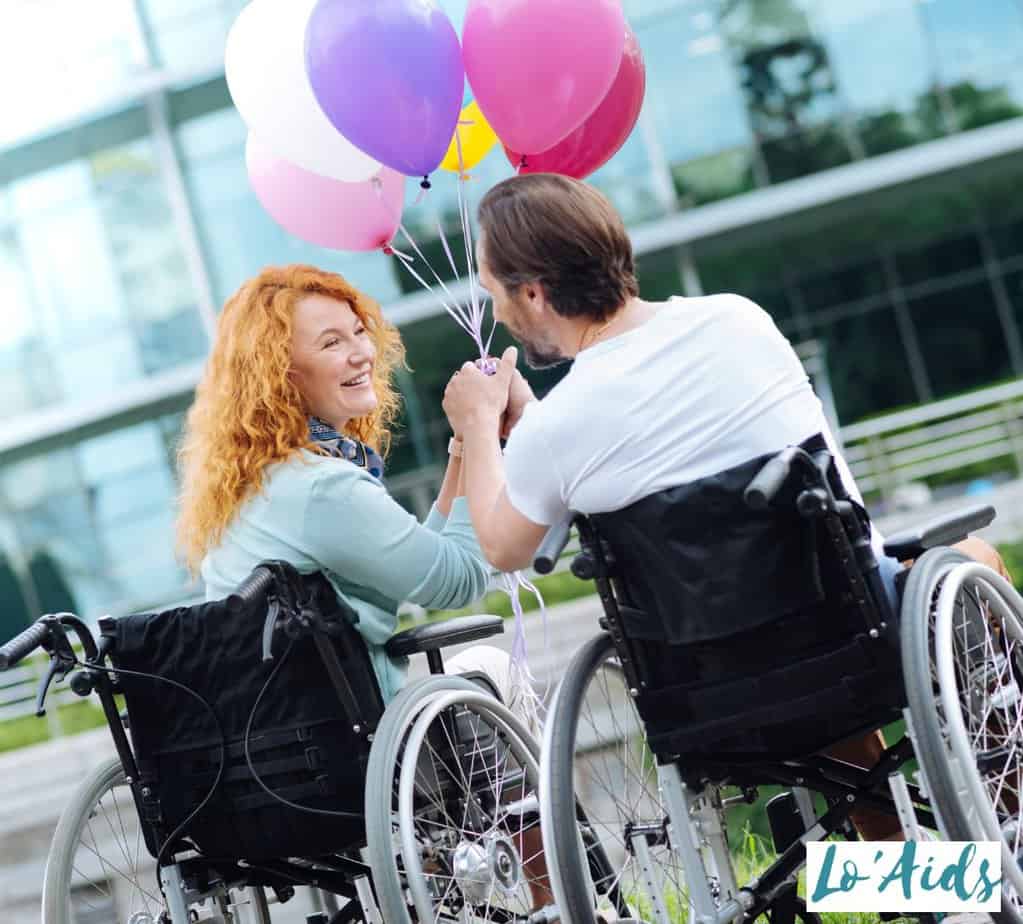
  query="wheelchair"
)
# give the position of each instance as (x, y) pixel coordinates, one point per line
(256, 757)
(746, 631)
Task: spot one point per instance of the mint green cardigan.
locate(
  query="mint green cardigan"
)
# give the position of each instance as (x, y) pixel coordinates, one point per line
(327, 514)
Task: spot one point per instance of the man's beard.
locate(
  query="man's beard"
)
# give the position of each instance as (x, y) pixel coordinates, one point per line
(538, 358)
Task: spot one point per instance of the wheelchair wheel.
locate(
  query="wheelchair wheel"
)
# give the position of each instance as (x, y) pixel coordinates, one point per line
(98, 854)
(598, 771)
(382, 839)
(465, 815)
(99, 869)
(962, 641)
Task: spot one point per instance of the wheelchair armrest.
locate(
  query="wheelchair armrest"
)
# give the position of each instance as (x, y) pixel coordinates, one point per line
(436, 635)
(944, 530)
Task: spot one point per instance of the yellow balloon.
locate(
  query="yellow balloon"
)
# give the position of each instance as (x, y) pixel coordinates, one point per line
(477, 138)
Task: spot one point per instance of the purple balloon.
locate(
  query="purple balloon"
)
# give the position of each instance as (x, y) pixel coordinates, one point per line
(389, 76)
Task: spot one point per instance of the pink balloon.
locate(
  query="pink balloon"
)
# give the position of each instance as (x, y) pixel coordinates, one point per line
(326, 212)
(598, 139)
(537, 68)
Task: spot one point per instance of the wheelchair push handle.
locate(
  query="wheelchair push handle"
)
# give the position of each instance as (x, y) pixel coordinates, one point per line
(552, 546)
(23, 644)
(761, 491)
(253, 589)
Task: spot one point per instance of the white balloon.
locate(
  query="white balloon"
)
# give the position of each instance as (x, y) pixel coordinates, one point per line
(264, 63)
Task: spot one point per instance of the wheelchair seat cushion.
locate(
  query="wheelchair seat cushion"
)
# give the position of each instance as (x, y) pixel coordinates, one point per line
(301, 743)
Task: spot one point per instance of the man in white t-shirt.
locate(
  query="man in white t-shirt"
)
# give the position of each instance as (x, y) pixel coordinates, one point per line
(660, 394)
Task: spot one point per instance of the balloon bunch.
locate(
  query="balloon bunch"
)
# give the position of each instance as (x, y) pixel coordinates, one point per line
(342, 97)
(346, 98)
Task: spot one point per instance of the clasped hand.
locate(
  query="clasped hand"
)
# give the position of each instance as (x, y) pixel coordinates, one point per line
(473, 399)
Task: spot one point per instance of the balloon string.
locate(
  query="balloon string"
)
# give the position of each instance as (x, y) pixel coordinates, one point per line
(447, 249)
(419, 253)
(455, 313)
(463, 214)
(524, 699)
(472, 326)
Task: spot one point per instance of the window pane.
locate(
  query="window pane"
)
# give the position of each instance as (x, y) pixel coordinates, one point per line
(789, 85)
(96, 520)
(978, 46)
(1014, 286)
(877, 51)
(190, 34)
(626, 180)
(755, 271)
(659, 276)
(100, 293)
(939, 258)
(693, 96)
(60, 57)
(860, 387)
(961, 338)
(239, 237)
(715, 176)
(839, 285)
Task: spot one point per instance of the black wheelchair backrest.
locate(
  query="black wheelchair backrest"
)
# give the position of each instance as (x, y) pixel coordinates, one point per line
(699, 564)
(280, 717)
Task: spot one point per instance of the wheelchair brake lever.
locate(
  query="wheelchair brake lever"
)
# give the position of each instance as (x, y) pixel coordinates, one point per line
(62, 662)
(269, 624)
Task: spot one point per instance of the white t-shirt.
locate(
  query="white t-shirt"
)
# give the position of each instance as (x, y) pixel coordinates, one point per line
(702, 386)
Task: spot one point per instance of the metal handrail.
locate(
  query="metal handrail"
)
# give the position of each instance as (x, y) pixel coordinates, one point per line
(938, 439)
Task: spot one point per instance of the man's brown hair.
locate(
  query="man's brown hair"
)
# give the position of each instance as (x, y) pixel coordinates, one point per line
(563, 234)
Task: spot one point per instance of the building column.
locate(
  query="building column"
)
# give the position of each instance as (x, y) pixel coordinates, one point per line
(174, 181)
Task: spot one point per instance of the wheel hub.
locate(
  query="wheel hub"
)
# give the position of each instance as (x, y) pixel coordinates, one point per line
(481, 866)
(141, 917)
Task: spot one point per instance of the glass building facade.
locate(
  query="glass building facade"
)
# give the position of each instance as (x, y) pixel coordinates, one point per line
(852, 165)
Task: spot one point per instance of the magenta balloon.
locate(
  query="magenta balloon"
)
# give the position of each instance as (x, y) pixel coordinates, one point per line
(388, 74)
(600, 137)
(329, 213)
(538, 68)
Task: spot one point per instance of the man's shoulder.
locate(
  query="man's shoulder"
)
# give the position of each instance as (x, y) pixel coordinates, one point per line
(720, 302)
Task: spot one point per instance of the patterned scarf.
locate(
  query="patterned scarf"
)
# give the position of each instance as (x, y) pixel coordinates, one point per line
(345, 447)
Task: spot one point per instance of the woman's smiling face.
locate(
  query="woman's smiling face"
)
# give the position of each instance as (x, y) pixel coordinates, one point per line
(332, 356)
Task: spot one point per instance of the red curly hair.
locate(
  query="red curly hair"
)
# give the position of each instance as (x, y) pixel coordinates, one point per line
(248, 413)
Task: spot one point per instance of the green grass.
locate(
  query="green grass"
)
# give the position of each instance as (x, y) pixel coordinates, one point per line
(555, 588)
(752, 854)
(71, 717)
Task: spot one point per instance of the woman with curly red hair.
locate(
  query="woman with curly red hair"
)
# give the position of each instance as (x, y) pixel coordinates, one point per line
(282, 459)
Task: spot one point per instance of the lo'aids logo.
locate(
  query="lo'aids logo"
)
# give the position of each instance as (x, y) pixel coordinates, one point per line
(946, 876)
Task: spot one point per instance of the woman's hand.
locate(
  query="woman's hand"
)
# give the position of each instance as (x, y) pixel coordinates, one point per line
(473, 399)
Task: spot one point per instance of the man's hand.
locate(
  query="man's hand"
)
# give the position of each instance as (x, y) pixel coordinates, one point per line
(519, 395)
(473, 399)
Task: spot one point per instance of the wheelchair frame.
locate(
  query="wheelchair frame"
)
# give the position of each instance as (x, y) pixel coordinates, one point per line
(186, 880)
(692, 802)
